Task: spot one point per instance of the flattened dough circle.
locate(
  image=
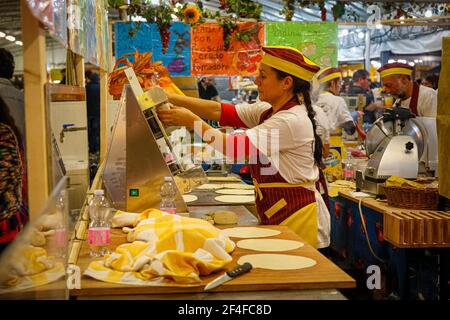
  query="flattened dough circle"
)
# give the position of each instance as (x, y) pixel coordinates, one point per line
(235, 199)
(210, 186)
(189, 197)
(277, 261)
(269, 244)
(236, 191)
(238, 186)
(250, 232)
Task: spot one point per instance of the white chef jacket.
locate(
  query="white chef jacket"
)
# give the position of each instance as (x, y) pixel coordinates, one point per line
(335, 108)
(426, 104)
(294, 135)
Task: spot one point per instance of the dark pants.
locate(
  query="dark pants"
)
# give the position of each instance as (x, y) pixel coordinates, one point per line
(94, 135)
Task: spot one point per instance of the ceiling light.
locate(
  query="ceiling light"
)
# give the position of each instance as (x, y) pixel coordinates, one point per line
(345, 32)
(391, 61)
(19, 43)
(379, 26)
(2, 34)
(428, 13)
(402, 18)
(361, 35)
(411, 64)
(401, 60)
(10, 38)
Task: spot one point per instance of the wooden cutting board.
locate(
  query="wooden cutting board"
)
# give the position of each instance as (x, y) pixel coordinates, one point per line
(324, 275)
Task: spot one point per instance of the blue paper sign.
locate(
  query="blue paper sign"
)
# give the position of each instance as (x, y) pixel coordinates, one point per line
(145, 37)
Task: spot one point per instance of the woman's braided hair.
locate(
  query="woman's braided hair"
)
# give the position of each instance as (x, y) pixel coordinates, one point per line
(302, 89)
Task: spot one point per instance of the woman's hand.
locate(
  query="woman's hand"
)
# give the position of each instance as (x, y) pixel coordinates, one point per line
(178, 116)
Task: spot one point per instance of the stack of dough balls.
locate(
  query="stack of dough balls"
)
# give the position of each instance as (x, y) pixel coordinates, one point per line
(221, 217)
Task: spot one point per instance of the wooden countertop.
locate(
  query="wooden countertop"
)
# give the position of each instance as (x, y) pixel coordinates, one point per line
(324, 275)
(245, 217)
(409, 228)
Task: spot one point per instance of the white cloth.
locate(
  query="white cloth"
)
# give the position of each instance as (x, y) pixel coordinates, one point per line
(426, 104)
(289, 131)
(323, 220)
(335, 108)
(296, 147)
(323, 126)
(13, 98)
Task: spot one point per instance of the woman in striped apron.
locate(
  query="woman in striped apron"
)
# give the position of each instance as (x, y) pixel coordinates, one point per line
(281, 145)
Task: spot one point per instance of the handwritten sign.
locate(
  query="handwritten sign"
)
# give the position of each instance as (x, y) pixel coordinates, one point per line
(317, 40)
(60, 21)
(102, 31)
(43, 11)
(209, 55)
(89, 23)
(177, 59)
(145, 37)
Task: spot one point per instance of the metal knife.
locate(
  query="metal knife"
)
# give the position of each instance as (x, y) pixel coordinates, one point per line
(227, 276)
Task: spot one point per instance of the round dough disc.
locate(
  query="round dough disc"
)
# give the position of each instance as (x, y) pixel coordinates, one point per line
(250, 232)
(189, 198)
(224, 179)
(238, 186)
(277, 261)
(235, 199)
(236, 191)
(210, 186)
(225, 217)
(269, 244)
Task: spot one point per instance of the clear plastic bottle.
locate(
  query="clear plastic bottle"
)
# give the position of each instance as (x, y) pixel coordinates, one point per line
(348, 170)
(99, 227)
(168, 192)
(60, 236)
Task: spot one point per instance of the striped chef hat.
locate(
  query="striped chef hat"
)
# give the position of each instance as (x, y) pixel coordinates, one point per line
(290, 60)
(395, 68)
(328, 74)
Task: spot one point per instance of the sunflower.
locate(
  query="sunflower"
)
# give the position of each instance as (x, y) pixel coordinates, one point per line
(191, 14)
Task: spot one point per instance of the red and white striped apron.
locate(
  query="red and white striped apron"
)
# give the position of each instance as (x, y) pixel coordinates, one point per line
(280, 202)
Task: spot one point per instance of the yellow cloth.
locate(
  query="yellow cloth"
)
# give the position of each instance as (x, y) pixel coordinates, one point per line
(338, 185)
(166, 250)
(27, 266)
(394, 181)
(304, 223)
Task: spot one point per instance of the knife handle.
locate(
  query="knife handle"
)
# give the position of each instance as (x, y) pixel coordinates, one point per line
(239, 269)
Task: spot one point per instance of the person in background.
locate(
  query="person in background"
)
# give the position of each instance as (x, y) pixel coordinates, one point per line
(431, 81)
(63, 76)
(93, 111)
(332, 104)
(361, 85)
(397, 81)
(208, 91)
(285, 189)
(13, 179)
(12, 97)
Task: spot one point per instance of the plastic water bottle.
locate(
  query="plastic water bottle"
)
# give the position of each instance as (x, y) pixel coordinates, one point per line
(168, 192)
(99, 227)
(348, 170)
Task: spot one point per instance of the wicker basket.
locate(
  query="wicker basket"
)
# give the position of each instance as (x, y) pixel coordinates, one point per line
(412, 198)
